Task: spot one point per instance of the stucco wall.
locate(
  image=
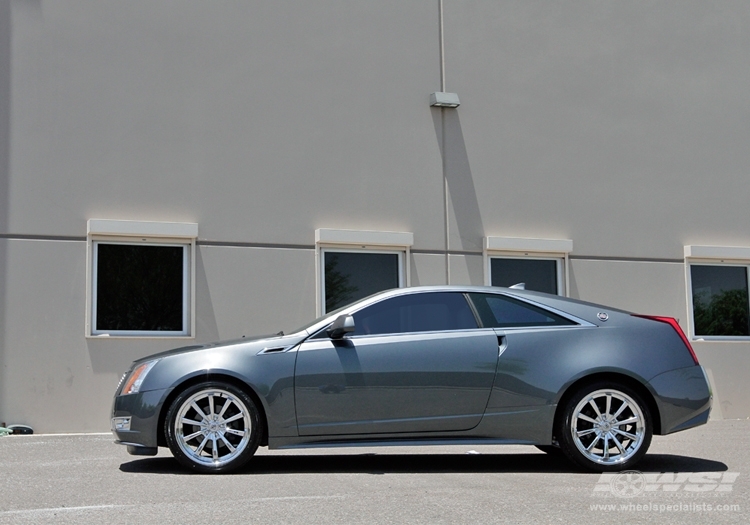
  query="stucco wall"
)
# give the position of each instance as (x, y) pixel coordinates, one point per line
(618, 125)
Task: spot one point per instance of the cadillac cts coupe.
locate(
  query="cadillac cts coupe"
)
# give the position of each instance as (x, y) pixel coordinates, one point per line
(424, 366)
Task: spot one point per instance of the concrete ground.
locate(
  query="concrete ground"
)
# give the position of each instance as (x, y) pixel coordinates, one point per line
(88, 479)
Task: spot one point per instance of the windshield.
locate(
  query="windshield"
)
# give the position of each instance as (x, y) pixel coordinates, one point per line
(331, 314)
(318, 320)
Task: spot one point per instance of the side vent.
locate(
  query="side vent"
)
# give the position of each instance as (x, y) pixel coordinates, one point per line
(274, 350)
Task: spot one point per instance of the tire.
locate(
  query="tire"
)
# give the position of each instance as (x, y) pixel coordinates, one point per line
(213, 427)
(606, 427)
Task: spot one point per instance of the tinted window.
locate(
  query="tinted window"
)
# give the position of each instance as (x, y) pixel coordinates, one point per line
(498, 311)
(425, 312)
(720, 300)
(353, 276)
(139, 287)
(539, 275)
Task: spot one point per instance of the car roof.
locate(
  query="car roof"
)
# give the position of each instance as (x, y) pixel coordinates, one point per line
(583, 310)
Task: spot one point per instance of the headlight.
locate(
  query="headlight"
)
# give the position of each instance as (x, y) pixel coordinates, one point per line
(135, 380)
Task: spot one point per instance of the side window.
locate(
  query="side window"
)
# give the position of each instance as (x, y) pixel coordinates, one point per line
(424, 312)
(350, 276)
(499, 311)
(720, 300)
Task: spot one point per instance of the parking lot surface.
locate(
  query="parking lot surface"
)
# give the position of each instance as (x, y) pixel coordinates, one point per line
(698, 476)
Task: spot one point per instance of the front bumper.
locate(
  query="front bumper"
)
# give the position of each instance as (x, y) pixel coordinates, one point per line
(141, 432)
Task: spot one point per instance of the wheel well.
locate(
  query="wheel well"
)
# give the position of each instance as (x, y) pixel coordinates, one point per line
(613, 377)
(161, 438)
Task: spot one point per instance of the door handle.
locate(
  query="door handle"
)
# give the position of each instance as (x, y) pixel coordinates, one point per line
(502, 344)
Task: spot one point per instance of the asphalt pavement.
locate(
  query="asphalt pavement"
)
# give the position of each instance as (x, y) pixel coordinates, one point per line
(697, 476)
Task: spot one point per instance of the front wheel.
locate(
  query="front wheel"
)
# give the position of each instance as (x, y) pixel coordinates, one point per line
(213, 427)
(605, 427)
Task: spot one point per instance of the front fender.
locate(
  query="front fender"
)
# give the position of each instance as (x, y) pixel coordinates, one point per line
(269, 376)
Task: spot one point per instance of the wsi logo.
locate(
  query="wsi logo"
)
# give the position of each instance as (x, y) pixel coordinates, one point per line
(632, 483)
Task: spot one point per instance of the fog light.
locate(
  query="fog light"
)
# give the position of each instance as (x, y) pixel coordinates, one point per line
(120, 423)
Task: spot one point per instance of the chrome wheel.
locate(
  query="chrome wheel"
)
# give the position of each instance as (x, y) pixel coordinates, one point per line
(606, 428)
(213, 427)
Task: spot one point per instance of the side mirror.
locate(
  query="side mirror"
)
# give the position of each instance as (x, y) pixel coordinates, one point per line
(343, 325)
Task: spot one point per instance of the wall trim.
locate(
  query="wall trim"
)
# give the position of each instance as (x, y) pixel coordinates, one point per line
(741, 253)
(187, 230)
(275, 246)
(29, 237)
(364, 237)
(623, 259)
(520, 244)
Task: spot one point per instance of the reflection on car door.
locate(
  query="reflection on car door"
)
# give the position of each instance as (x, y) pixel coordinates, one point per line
(418, 381)
(395, 383)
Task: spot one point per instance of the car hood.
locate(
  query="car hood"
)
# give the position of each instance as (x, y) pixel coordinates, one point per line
(261, 342)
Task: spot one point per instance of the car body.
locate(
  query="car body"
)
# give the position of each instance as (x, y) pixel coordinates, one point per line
(424, 365)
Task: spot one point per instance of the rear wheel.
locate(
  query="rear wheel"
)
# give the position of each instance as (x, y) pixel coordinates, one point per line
(213, 427)
(605, 427)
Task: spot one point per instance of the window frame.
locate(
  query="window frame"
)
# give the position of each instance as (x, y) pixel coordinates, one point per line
(141, 233)
(359, 241)
(691, 261)
(557, 250)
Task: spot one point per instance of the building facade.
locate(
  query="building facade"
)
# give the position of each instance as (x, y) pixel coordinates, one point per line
(178, 173)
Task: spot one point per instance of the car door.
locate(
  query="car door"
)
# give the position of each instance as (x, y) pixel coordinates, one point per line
(534, 339)
(415, 363)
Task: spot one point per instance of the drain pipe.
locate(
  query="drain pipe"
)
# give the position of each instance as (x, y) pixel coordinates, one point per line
(442, 139)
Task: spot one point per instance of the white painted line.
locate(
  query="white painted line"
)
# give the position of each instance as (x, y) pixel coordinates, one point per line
(62, 509)
(69, 434)
(281, 498)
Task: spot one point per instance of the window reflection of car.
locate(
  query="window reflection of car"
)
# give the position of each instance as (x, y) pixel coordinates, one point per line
(435, 365)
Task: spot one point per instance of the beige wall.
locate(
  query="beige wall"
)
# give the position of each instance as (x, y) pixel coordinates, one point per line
(55, 379)
(619, 125)
(653, 288)
(49, 378)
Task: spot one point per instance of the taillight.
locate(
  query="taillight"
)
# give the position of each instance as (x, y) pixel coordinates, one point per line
(674, 324)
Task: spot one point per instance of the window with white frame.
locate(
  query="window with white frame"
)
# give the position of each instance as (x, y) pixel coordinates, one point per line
(718, 291)
(352, 275)
(540, 264)
(140, 278)
(354, 264)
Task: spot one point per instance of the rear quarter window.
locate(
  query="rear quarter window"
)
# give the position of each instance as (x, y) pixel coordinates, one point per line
(500, 311)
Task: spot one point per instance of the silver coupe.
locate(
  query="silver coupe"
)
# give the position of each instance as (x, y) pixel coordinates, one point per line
(424, 366)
